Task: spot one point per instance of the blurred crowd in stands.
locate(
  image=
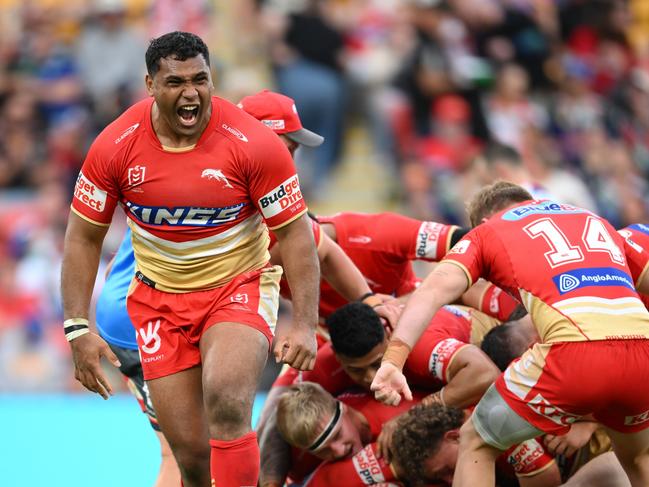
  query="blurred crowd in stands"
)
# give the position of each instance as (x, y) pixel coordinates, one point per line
(565, 83)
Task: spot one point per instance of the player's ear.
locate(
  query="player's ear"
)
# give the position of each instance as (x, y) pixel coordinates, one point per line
(452, 435)
(484, 219)
(148, 81)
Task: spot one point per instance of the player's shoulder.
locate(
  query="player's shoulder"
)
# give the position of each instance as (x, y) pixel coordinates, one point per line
(241, 127)
(124, 129)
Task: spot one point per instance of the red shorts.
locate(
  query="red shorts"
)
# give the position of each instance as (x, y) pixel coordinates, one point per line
(552, 385)
(170, 325)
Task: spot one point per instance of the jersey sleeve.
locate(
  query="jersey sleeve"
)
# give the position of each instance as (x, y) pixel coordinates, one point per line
(529, 458)
(637, 258)
(497, 303)
(317, 233)
(95, 193)
(433, 241)
(467, 254)
(432, 356)
(274, 185)
(364, 468)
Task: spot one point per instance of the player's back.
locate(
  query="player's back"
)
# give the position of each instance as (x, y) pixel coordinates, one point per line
(570, 269)
(382, 246)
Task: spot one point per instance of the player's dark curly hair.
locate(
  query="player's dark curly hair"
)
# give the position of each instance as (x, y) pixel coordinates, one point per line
(355, 329)
(493, 198)
(499, 346)
(179, 45)
(418, 436)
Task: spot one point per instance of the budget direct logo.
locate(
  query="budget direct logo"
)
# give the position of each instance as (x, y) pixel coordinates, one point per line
(89, 194)
(368, 467)
(595, 276)
(441, 356)
(523, 459)
(282, 197)
(428, 239)
(542, 208)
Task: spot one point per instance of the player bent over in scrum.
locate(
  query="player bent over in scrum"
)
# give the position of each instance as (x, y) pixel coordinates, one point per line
(575, 275)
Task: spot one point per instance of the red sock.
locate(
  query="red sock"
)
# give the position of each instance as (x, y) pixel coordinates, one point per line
(235, 463)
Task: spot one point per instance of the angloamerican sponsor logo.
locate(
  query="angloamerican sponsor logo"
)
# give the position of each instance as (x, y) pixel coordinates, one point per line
(89, 194)
(281, 197)
(523, 459)
(542, 208)
(185, 215)
(428, 239)
(441, 356)
(368, 467)
(594, 276)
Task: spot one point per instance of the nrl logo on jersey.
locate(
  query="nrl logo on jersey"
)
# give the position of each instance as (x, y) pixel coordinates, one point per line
(136, 175)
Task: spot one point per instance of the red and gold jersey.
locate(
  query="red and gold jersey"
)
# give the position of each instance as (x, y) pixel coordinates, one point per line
(639, 233)
(497, 303)
(382, 246)
(197, 213)
(572, 271)
(451, 329)
(376, 414)
(364, 468)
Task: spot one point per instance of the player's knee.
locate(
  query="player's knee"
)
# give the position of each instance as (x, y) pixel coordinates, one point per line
(226, 410)
(193, 461)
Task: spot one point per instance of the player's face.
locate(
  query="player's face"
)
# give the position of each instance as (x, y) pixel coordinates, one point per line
(363, 369)
(345, 441)
(440, 467)
(290, 144)
(183, 94)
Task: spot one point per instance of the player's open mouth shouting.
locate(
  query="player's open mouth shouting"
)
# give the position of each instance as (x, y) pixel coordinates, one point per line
(188, 114)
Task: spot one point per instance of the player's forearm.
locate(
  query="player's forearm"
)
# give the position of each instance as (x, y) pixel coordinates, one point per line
(339, 271)
(444, 285)
(78, 273)
(300, 262)
(275, 456)
(469, 384)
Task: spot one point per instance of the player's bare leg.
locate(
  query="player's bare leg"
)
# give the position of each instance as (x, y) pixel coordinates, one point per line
(233, 357)
(632, 450)
(178, 402)
(169, 474)
(602, 471)
(476, 460)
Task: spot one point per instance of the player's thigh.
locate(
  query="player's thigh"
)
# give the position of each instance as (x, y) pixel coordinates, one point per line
(233, 357)
(630, 447)
(178, 402)
(602, 471)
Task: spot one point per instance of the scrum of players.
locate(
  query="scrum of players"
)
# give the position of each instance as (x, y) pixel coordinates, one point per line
(520, 359)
